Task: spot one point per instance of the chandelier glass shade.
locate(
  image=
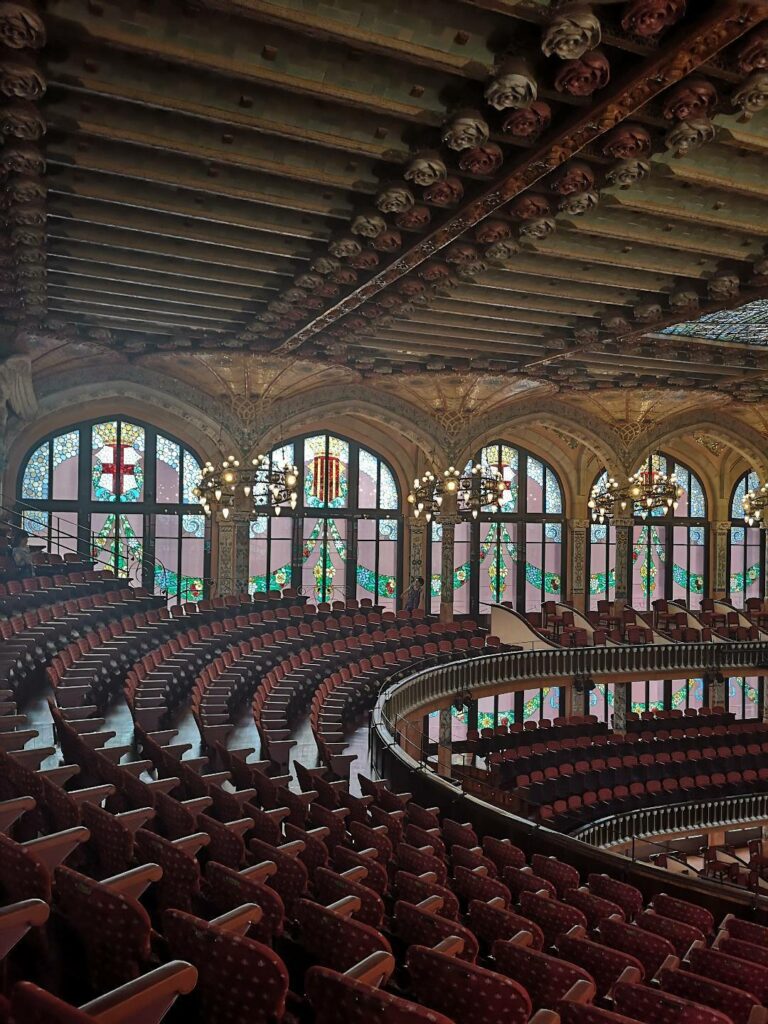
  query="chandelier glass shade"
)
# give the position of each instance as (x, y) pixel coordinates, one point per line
(755, 503)
(646, 491)
(478, 488)
(259, 488)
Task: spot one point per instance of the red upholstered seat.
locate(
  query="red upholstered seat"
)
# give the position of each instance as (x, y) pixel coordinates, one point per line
(561, 875)
(748, 931)
(414, 925)
(471, 886)
(239, 979)
(580, 1013)
(594, 908)
(470, 994)
(650, 949)
(743, 950)
(333, 940)
(520, 880)
(627, 896)
(376, 877)
(604, 964)
(412, 889)
(181, 871)
(337, 999)
(410, 858)
(682, 936)
(331, 886)
(734, 1002)
(115, 930)
(490, 924)
(651, 1006)
(682, 910)
(227, 889)
(291, 879)
(545, 978)
(503, 853)
(551, 915)
(731, 970)
(473, 858)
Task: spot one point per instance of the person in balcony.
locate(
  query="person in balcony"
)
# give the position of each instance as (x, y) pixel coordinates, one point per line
(22, 556)
(413, 594)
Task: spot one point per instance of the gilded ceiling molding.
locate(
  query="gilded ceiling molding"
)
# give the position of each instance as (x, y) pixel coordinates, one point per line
(750, 443)
(725, 23)
(511, 423)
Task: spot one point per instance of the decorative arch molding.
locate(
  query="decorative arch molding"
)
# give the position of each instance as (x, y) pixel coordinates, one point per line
(589, 430)
(293, 415)
(744, 439)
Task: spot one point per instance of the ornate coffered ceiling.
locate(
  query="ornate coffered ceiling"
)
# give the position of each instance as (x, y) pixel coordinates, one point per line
(465, 202)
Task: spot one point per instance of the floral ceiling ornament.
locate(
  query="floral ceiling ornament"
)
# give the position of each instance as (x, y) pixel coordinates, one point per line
(482, 160)
(502, 252)
(395, 199)
(22, 158)
(434, 271)
(579, 204)
(368, 225)
(466, 129)
(751, 96)
(572, 30)
(537, 228)
(22, 120)
(575, 176)
(512, 85)
(627, 141)
(461, 252)
(415, 219)
(626, 173)
(21, 78)
(584, 76)
(528, 122)
(753, 56)
(690, 99)
(689, 135)
(388, 241)
(365, 260)
(445, 193)
(21, 27)
(647, 311)
(724, 286)
(493, 230)
(530, 206)
(683, 298)
(646, 18)
(426, 169)
(760, 267)
(344, 275)
(325, 265)
(471, 269)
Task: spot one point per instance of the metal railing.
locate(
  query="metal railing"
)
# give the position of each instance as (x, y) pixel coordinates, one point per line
(669, 818)
(646, 661)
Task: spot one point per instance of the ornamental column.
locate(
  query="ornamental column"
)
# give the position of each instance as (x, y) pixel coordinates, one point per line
(620, 706)
(448, 523)
(720, 532)
(577, 537)
(714, 689)
(417, 546)
(445, 743)
(623, 527)
(232, 549)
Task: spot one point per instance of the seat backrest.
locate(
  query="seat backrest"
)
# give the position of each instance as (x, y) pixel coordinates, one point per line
(734, 1002)
(651, 1006)
(333, 940)
(551, 915)
(239, 979)
(470, 994)
(732, 970)
(603, 963)
(412, 889)
(227, 889)
(337, 999)
(562, 876)
(413, 924)
(490, 924)
(682, 910)
(181, 871)
(545, 978)
(651, 950)
(682, 936)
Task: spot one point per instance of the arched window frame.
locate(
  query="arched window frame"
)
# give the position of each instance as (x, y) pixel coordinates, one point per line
(278, 544)
(71, 529)
(668, 547)
(472, 536)
(746, 548)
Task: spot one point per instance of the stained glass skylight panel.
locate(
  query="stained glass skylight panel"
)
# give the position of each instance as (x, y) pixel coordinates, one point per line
(748, 325)
(35, 482)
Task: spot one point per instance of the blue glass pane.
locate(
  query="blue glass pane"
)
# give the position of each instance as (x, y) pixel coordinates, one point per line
(36, 482)
(748, 324)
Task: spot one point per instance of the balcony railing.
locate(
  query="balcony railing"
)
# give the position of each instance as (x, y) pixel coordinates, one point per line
(646, 822)
(645, 661)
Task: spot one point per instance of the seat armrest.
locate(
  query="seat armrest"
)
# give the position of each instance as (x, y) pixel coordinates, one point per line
(11, 810)
(375, 970)
(54, 849)
(17, 919)
(61, 775)
(133, 883)
(35, 756)
(580, 992)
(144, 1000)
(431, 905)
(260, 872)
(237, 922)
(191, 844)
(134, 820)
(346, 906)
(451, 946)
(92, 794)
(197, 804)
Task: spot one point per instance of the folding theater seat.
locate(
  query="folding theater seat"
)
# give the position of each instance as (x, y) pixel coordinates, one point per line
(570, 1012)
(682, 910)
(503, 853)
(605, 965)
(226, 889)
(519, 880)
(595, 908)
(443, 982)
(545, 978)
(415, 889)
(747, 931)
(376, 877)
(462, 856)
(562, 876)
(411, 858)
(239, 979)
(740, 1006)
(330, 935)
(491, 922)
(649, 1005)
(331, 886)
(682, 936)
(550, 914)
(146, 1000)
(355, 996)
(423, 924)
(653, 951)
(742, 950)
(474, 884)
(731, 970)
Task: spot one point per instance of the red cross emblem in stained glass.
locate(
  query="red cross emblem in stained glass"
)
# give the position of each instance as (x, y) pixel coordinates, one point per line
(123, 465)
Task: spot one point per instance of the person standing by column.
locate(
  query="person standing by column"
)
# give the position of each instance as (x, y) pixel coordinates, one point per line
(413, 594)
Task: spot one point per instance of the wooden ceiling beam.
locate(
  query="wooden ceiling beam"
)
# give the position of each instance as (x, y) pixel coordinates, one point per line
(81, 273)
(123, 324)
(88, 288)
(398, 343)
(138, 242)
(131, 308)
(151, 198)
(714, 166)
(444, 312)
(498, 299)
(125, 161)
(562, 277)
(83, 211)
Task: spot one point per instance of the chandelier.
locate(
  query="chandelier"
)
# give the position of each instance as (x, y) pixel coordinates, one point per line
(258, 488)
(647, 490)
(754, 504)
(478, 488)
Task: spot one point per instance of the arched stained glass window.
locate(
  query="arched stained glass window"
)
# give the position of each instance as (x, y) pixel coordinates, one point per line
(343, 539)
(515, 553)
(668, 552)
(119, 492)
(746, 548)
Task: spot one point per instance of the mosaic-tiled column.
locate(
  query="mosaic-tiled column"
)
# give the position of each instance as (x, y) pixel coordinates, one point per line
(715, 690)
(577, 533)
(620, 707)
(719, 585)
(445, 743)
(417, 536)
(232, 554)
(623, 527)
(448, 522)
